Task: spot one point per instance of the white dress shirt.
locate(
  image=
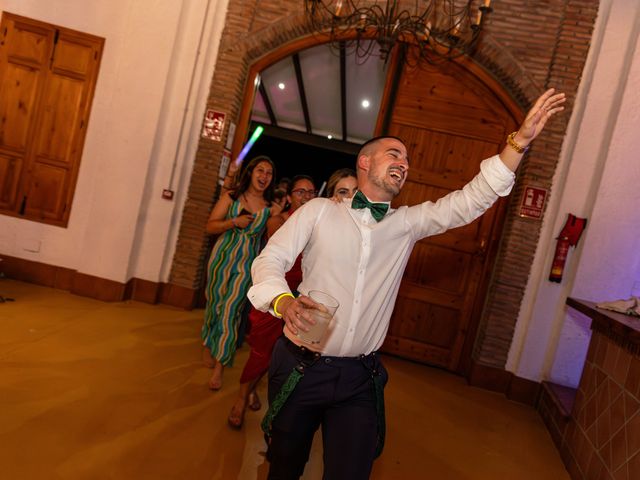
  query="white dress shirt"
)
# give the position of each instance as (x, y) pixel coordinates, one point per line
(359, 261)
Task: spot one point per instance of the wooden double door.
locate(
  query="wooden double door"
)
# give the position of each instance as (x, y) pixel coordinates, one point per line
(48, 75)
(450, 120)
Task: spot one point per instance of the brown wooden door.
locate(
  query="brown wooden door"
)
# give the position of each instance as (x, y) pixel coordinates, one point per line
(449, 121)
(47, 80)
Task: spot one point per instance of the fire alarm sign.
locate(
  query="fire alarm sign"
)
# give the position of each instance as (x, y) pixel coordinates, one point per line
(213, 125)
(533, 200)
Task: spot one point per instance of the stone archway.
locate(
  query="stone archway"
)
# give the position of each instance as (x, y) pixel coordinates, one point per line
(259, 27)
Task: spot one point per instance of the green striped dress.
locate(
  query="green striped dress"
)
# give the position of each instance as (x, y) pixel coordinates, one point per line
(228, 280)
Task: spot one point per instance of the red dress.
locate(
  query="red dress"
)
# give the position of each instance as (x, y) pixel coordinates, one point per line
(265, 330)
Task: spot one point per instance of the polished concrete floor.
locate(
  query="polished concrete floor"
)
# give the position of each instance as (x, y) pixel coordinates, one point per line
(93, 390)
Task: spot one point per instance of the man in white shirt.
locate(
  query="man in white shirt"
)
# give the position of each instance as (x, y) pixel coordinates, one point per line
(357, 251)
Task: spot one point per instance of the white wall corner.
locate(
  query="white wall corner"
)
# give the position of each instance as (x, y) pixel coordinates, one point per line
(548, 343)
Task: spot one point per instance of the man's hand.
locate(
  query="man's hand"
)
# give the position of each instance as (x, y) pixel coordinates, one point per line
(545, 107)
(295, 313)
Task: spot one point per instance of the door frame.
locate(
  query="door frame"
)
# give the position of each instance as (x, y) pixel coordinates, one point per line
(475, 69)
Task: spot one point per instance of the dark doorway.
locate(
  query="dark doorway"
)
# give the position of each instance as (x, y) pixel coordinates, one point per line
(296, 158)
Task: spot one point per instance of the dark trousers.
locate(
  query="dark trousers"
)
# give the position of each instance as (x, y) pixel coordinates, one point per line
(336, 393)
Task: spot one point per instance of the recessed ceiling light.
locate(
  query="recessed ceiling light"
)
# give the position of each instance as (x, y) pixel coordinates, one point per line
(329, 137)
(281, 86)
(365, 104)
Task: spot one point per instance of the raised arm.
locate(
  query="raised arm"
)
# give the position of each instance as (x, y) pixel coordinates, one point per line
(547, 105)
(496, 177)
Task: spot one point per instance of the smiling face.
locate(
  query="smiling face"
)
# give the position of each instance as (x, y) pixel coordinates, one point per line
(261, 176)
(382, 169)
(301, 192)
(345, 188)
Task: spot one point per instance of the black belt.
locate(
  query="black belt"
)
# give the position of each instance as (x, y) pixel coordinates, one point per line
(303, 353)
(300, 352)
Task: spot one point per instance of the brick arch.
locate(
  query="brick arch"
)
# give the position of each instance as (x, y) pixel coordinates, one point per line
(498, 60)
(258, 28)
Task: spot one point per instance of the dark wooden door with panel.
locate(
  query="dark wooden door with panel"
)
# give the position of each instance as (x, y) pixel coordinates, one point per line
(450, 120)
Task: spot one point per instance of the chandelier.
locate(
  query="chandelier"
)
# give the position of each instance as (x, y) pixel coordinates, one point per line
(440, 29)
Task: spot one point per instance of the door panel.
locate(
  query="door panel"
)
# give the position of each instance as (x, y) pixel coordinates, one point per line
(10, 167)
(60, 110)
(20, 83)
(45, 191)
(29, 43)
(73, 56)
(450, 121)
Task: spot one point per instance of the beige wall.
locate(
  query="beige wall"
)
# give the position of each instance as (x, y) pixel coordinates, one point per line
(119, 225)
(597, 178)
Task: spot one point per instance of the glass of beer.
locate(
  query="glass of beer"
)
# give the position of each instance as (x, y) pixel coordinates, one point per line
(322, 314)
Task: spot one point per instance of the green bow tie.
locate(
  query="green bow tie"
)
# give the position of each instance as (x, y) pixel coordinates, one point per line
(378, 210)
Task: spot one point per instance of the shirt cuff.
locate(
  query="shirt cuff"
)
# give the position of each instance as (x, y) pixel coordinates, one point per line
(499, 177)
(262, 295)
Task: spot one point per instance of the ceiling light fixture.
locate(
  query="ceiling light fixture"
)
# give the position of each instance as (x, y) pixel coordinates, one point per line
(365, 104)
(441, 29)
(281, 86)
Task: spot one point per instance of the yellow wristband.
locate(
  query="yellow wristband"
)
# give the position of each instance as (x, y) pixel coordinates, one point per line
(278, 298)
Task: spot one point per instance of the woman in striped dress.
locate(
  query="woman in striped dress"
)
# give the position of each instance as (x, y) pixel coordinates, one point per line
(239, 218)
(265, 328)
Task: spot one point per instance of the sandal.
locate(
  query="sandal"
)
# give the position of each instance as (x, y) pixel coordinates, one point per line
(235, 419)
(254, 402)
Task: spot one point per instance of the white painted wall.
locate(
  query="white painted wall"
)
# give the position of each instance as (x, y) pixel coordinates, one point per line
(597, 178)
(151, 71)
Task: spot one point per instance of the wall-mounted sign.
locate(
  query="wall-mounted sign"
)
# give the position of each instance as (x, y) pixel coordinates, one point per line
(230, 135)
(533, 200)
(213, 125)
(224, 165)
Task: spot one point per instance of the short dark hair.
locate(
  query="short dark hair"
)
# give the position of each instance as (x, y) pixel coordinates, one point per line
(296, 179)
(279, 194)
(374, 140)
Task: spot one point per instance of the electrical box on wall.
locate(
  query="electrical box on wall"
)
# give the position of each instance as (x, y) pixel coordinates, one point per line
(167, 194)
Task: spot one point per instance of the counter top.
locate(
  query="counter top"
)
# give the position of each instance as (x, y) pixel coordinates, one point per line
(608, 321)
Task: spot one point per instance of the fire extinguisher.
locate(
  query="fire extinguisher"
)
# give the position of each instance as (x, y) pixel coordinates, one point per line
(568, 237)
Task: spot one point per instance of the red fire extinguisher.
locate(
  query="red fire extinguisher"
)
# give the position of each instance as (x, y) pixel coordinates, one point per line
(568, 237)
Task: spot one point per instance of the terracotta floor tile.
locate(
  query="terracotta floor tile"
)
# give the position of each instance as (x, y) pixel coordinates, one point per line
(618, 450)
(632, 382)
(631, 405)
(633, 435)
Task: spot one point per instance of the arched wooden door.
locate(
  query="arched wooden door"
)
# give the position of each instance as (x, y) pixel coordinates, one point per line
(450, 120)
